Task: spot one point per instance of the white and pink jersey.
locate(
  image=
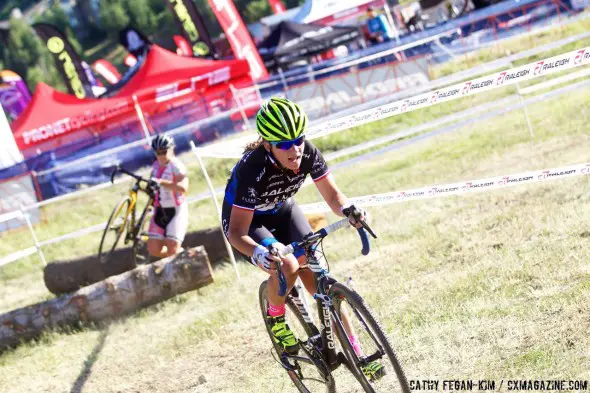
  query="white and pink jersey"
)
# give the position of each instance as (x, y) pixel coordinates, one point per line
(171, 171)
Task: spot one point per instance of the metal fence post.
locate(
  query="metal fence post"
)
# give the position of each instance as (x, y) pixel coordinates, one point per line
(240, 107)
(146, 131)
(523, 106)
(25, 216)
(284, 82)
(230, 252)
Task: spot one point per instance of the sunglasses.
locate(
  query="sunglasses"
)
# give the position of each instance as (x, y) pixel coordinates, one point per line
(160, 152)
(286, 145)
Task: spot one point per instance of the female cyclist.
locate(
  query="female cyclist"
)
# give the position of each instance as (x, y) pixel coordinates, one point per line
(170, 220)
(258, 209)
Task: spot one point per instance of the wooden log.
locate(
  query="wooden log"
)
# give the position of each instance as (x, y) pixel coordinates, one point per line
(112, 297)
(69, 275)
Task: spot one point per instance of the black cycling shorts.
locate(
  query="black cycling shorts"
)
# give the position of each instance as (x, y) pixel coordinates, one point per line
(164, 215)
(287, 225)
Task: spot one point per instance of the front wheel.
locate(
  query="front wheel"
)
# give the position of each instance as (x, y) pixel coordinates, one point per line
(114, 230)
(372, 359)
(140, 250)
(307, 370)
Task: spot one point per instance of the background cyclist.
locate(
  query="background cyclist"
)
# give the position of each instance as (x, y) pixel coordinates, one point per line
(258, 209)
(170, 220)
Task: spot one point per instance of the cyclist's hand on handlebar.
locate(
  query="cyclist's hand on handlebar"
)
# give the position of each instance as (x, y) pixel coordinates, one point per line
(356, 215)
(264, 258)
(154, 183)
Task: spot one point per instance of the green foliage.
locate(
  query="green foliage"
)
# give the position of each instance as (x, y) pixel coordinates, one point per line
(6, 6)
(113, 17)
(26, 55)
(142, 16)
(257, 9)
(57, 17)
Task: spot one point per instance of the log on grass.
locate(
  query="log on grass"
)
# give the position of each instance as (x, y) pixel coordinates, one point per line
(68, 276)
(112, 297)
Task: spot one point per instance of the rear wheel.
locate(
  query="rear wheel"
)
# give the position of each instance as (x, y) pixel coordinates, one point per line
(373, 363)
(114, 230)
(307, 370)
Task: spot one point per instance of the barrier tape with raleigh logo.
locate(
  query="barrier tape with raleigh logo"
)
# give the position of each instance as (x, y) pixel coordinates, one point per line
(577, 58)
(459, 188)
(479, 85)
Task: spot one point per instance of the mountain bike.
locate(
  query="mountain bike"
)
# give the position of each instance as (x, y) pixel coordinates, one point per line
(122, 222)
(342, 313)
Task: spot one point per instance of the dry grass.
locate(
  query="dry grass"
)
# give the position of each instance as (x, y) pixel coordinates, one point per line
(493, 285)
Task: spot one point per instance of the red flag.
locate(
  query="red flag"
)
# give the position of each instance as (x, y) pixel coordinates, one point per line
(107, 71)
(277, 6)
(184, 48)
(238, 37)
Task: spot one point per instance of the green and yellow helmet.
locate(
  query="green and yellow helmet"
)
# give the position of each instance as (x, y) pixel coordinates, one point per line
(280, 120)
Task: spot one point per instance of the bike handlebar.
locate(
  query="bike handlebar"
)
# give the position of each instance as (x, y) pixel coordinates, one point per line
(149, 182)
(313, 238)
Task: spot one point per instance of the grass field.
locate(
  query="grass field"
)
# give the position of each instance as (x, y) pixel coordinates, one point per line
(493, 285)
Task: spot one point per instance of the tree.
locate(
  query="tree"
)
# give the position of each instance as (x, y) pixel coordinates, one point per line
(26, 55)
(142, 16)
(257, 9)
(57, 17)
(113, 17)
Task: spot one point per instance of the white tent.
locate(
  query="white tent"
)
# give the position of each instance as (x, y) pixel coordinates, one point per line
(16, 191)
(316, 10)
(9, 152)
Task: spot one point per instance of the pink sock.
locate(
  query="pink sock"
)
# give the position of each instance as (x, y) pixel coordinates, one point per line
(355, 345)
(275, 311)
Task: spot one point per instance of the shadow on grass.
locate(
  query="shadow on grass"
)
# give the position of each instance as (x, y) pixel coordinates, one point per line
(89, 362)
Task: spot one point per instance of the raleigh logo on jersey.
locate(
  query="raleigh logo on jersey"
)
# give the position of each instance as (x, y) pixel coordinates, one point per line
(280, 191)
(275, 183)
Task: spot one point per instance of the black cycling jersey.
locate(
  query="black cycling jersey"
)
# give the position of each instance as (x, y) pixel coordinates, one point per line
(258, 183)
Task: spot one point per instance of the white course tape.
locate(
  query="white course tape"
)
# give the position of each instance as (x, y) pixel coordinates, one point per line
(496, 80)
(482, 84)
(459, 188)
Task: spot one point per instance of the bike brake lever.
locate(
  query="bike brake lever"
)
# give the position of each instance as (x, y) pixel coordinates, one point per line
(113, 174)
(368, 229)
(280, 275)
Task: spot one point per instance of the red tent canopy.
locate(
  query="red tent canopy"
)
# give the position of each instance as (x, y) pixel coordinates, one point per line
(163, 67)
(51, 114)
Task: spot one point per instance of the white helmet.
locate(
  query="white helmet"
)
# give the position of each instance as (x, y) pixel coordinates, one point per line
(162, 142)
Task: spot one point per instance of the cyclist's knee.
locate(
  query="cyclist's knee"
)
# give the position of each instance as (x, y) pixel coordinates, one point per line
(172, 246)
(155, 246)
(290, 265)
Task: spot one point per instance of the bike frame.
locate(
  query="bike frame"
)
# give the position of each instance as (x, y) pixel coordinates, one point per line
(131, 232)
(326, 312)
(322, 281)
